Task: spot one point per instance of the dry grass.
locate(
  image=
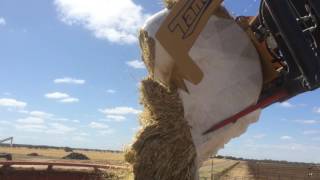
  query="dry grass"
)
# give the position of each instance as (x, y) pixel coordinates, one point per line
(223, 168)
(52, 155)
(244, 169)
(169, 3)
(59, 153)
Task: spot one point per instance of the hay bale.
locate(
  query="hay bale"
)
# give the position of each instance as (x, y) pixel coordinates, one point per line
(167, 147)
(33, 154)
(76, 156)
(164, 149)
(169, 3)
(7, 156)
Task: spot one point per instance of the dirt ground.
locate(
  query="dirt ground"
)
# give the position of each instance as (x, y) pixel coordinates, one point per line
(261, 171)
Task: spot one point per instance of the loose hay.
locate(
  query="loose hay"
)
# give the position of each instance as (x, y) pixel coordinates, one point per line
(169, 3)
(220, 12)
(147, 46)
(163, 149)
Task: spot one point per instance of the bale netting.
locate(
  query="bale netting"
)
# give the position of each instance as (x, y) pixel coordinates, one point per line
(163, 149)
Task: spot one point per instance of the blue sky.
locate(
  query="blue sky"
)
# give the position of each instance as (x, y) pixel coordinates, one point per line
(70, 69)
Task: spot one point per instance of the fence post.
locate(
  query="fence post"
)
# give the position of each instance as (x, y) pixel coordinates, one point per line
(212, 168)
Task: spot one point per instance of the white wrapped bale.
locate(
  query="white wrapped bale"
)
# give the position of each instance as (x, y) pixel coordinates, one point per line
(232, 81)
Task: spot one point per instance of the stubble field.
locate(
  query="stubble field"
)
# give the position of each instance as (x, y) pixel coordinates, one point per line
(222, 168)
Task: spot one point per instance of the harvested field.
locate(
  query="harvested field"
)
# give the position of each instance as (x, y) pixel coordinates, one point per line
(223, 169)
(254, 170)
(28, 174)
(56, 155)
(215, 167)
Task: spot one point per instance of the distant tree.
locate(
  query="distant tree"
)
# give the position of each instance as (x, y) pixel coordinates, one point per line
(68, 149)
(219, 157)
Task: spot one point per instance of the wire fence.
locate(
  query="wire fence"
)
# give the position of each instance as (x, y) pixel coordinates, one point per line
(263, 171)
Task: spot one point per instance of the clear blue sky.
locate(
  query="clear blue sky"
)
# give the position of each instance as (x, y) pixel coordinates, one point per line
(69, 72)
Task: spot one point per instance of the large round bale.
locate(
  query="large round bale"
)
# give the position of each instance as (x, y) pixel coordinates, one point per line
(33, 154)
(76, 156)
(172, 143)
